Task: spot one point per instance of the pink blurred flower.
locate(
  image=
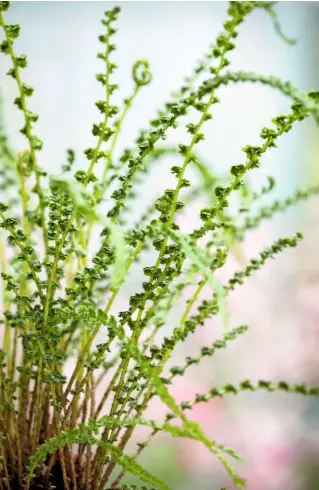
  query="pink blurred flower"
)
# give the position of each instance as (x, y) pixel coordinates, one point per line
(268, 466)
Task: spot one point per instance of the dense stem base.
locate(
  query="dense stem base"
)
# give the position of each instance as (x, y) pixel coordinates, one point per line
(40, 481)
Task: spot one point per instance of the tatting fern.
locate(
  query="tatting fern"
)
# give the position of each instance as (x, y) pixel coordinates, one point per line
(57, 294)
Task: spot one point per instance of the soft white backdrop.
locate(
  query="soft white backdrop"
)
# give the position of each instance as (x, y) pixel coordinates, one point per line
(60, 39)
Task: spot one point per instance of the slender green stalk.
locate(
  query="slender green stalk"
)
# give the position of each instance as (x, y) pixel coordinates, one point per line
(54, 430)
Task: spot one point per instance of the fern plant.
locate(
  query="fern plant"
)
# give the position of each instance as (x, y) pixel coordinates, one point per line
(58, 293)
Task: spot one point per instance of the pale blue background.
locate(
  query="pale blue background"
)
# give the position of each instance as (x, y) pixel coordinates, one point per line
(61, 41)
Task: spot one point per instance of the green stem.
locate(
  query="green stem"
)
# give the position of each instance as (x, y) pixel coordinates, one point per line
(87, 347)
(119, 125)
(52, 277)
(6, 303)
(28, 129)
(98, 195)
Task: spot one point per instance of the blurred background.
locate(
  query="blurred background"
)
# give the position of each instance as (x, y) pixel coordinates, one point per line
(277, 435)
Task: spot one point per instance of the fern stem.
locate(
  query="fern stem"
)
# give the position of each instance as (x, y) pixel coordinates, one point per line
(27, 128)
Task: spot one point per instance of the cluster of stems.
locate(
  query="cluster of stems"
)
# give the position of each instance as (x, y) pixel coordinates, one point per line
(62, 428)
